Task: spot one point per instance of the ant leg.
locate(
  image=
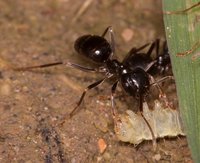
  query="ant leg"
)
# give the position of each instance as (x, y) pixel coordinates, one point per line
(165, 47)
(82, 68)
(69, 64)
(151, 130)
(162, 80)
(150, 49)
(109, 30)
(37, 66)
(93, 85)
(106, 31)
(155, 83)
(157, 44)
(150, 65)
(141, 99)
(135, 50)
(113, 89)
(161, 93)
(182, 11)
(157, 47)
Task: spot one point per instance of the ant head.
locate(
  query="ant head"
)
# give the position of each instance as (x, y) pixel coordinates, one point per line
(136, 82)
(93, 47)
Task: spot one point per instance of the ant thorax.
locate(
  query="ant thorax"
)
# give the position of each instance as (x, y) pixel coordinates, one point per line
(116, 68)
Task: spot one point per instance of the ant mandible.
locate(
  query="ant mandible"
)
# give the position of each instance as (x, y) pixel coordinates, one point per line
(134, 73)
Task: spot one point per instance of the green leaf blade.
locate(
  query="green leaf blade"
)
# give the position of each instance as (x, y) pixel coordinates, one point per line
(182, 32)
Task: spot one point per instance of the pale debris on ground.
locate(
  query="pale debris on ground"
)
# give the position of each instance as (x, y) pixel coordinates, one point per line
(165, 122)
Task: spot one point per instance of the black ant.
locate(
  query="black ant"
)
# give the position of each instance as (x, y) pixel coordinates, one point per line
(134, 73)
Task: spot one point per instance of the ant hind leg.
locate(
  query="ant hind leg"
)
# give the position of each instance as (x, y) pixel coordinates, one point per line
(109, 30)
(66, 63)
(93, 85)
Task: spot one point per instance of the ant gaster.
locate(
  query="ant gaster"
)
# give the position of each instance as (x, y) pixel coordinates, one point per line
(134, 73)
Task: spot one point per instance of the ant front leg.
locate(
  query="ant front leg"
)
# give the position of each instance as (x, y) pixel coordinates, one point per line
(141, 100)
(153, 82)
(162, 95)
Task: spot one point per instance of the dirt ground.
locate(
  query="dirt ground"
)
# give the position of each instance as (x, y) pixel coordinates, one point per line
(33, 103)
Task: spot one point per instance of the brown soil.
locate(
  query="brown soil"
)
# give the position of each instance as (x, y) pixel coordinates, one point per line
(33, 103)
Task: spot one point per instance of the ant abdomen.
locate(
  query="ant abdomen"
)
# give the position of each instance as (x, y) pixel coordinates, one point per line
(93, 47)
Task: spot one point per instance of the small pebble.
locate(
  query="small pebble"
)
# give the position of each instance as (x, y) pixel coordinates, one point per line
(157, 157)
(102, 145)
(127, 34)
